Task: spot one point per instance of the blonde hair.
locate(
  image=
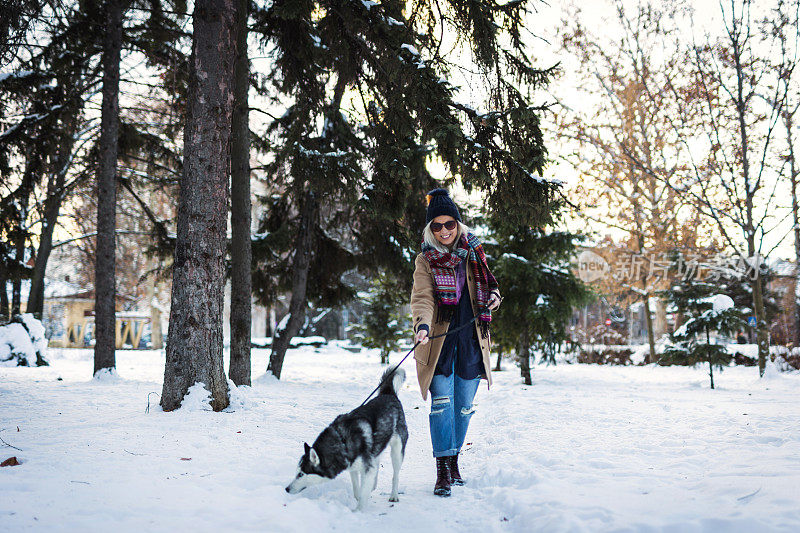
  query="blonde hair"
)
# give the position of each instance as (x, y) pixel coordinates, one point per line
(431, 240)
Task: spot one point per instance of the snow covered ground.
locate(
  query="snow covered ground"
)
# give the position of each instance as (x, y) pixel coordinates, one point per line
(586, 448)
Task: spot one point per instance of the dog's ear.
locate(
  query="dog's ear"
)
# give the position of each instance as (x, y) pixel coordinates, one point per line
(313, 457)
(307, 447)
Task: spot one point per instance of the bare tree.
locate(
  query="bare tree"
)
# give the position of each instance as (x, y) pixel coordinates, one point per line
(194, 343)
(782, 24)
(621, 144)
(729, 131)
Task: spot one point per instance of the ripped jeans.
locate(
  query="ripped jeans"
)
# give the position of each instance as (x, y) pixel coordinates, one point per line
(451, 410)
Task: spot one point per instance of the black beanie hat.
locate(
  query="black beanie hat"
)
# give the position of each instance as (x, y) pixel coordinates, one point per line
(439, 203)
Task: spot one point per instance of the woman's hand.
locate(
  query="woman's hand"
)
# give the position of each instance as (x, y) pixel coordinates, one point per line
(422, 336)
(494, 300)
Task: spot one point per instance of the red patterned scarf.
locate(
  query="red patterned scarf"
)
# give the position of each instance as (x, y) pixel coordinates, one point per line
(443, 267)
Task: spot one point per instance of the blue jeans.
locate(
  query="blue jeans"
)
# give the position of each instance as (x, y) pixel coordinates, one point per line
(451, 410)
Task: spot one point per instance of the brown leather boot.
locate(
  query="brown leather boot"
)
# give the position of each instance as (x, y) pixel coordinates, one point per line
(455, 475)
(442, 487)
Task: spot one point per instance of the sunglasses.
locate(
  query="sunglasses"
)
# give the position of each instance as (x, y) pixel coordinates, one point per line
(436, 227)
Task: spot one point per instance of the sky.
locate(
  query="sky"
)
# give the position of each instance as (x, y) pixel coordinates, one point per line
(599, 17)
(544, 23)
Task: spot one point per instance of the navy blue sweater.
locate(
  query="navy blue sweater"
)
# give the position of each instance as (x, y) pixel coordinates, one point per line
(462, 346)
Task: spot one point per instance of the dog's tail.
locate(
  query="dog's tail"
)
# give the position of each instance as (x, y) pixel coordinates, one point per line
(390, 384)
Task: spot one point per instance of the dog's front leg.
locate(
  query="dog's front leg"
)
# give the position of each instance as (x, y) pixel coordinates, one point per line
(356, 484)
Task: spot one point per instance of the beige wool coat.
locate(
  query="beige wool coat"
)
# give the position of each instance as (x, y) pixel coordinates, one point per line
(423, 311)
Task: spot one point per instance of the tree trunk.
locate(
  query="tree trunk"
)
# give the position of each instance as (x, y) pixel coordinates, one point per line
(241, 254)
(3, 299)
(52, 207)
(18, 237)
(35, 303)
(300, 267)
(651, 340)
(762, 330)
(156, 338)
(104, 273)
(19, 257)
(711, 373)
(751, 193)
(302, 259)
(499, 359)
(524, 356)
(194, 343)
(151, 294)
(660, 324)
(710, 365)
(793, 174)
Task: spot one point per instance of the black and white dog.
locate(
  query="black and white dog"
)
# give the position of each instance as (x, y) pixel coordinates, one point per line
(355, 440)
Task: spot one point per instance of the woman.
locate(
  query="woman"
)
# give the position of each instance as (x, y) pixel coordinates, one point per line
(452, 283)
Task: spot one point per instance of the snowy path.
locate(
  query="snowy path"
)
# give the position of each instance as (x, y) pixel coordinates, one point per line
(585, 448)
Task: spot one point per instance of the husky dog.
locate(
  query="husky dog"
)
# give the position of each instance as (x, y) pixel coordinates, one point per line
(355, 440)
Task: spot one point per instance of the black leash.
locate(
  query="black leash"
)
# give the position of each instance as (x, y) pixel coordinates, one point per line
(389, 375)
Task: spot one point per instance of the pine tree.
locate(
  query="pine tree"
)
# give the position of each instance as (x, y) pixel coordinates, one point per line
(53, 83)
(360, 149)
(693, 338)
(693, 299)
(25, 93)
(384, 325)
(18, 17)
(105, 277)
(24, 150)
(690, 290)
(194, 346)
(241, 247)
(539, 289)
